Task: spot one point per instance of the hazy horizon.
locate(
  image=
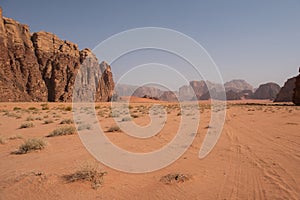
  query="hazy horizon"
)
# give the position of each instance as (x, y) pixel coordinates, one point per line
(254, 41)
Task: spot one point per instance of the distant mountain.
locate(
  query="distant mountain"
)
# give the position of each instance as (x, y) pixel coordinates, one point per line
(196, 89)
(169, 96)
(125, 90)
(266, 91)
(237, 85)
(286, 92)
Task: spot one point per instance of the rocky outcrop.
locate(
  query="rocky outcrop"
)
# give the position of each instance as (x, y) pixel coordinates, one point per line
(147, 91)
(217, 95)
(105, 87)
(296, 96)
(267, 91)
(237, 85)
(286, 92)
(42, 67)
(20, 77)
(168, 96)
(125, 90)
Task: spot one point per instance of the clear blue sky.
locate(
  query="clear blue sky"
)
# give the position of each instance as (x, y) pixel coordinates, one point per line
(258, 41)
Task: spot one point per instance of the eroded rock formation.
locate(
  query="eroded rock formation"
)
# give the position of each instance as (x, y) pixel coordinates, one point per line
(286, 92)
(42, 67)
(267, 91)
(296, 96)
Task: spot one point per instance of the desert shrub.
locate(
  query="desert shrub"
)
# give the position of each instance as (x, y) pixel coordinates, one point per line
(114, 129)
(30, 118)
(33, 109)
(68, 108)
(174, 178)
(134, 116)
(88, 172)
(125, 119)
(17, 108)
(67, 130)
(38, 118)
(26, 125)
(48, 121)
(15, 137)
(67, 121)
(31, 145)
(114, 114)
(45, 106)
(84, 127)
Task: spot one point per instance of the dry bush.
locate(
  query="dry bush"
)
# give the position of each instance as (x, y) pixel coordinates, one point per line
(67, 121)
(26, 125)
(15, 137)
(84, 127)
(48, 121)
(126, 119)
(114, 129)
(45, 106)
(174, 178)
(67, 130)
(31, 145)
(30, 118)
(87, 172)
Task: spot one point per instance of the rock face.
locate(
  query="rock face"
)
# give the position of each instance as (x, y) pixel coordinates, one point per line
(42, 67)
(105, 87)
(168, 96)
(296, 96)
(237, 85)
(152, 92)
(20, 77)
(286, 92)
(125, 90)
(267, 91)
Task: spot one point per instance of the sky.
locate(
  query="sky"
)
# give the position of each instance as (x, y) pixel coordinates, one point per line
(258, 41)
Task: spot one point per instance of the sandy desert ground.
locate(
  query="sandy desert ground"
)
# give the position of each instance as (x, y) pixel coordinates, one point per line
(256, 157)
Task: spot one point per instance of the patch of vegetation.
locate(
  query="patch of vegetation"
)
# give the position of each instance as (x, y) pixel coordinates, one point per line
(174, 178)
(68, 108)
(87, 172)
(17, 108)
(26, 125)
(48, 121)
(31, 145)
(30, 118)
(33, 109)
(84, 127)
(67, 130)
(15, 137)
(45, 106)
(67, 121)
(125, 119)
(114, 129)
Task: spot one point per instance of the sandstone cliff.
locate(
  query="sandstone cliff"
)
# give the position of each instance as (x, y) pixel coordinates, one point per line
(42, 67)
(286, 92)
(296, 96)
(267, 91)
